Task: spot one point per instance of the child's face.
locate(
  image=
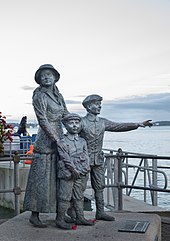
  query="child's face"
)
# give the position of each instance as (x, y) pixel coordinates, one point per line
(73, 126)
(94, 107)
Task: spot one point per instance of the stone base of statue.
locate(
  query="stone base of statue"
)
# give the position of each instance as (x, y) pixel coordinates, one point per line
(19, 228)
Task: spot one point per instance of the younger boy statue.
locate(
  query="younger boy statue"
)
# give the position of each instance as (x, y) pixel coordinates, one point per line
(73, 172)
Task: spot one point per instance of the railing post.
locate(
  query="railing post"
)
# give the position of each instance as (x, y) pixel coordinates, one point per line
(154, 182)
(144, 178)
(17, 189)
(107, 161)
(109, 177)
(118, 180)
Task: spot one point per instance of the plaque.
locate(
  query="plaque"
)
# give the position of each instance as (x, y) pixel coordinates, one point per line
(134, 226)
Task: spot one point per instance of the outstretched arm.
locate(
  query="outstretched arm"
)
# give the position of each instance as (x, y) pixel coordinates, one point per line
(121, 127)
(146, 123)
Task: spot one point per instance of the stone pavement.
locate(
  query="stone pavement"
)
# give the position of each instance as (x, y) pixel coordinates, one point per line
(165, 225)
(165, 231)
(19, 229)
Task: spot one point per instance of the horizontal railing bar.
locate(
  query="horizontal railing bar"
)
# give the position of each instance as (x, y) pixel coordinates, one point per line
(164, 167)
(138, 187)
(10, 190)
(6, 190)
(138, 156)
(127, 152)
(7, 159)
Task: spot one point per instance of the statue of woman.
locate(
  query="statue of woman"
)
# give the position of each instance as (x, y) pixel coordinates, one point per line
(50, 108)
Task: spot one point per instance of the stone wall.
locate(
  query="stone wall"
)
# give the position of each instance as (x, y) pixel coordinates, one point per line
(7, 182)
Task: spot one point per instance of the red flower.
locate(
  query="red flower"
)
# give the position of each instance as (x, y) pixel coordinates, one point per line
(10, 126)
(74, 227)
(5, 130)
(93, 220)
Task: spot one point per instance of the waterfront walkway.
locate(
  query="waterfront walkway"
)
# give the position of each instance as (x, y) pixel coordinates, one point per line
(165, 227)
(19, 229)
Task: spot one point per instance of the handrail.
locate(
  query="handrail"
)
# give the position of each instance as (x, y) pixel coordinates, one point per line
(16, 158)
(114, 165)
(117, 169)
(151, 169)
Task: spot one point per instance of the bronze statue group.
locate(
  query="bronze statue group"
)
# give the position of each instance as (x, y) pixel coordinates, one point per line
(62, 162)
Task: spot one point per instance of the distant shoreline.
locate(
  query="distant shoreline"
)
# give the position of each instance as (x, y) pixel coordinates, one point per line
(161, 123)
(34, 125)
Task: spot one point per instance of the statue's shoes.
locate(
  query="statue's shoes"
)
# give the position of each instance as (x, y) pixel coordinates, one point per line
(105, 217)
(69, 219)
(83, 221)
(36, 222)
(63, 225)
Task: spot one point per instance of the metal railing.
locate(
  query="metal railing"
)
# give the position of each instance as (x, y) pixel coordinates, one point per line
(117, 166)
(15, 160)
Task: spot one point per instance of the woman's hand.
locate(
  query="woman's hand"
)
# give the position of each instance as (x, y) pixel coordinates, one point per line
(75, 174)
(62, 145)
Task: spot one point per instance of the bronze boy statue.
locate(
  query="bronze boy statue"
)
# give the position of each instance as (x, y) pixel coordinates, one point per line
(93, 129)
(73, 172)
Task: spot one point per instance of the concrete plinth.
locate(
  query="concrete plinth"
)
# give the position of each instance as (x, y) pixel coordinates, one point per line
(19, 229)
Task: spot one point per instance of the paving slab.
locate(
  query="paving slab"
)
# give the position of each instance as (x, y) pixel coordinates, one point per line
(19, 229)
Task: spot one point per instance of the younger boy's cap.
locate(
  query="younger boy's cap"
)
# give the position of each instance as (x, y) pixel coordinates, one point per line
(71, 116)
(91, 98)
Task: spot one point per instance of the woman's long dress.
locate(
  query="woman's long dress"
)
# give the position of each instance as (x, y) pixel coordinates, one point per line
(41, 190)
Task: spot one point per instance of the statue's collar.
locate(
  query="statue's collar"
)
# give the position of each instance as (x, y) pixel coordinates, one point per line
(55, 95)
(72, 137)
(92, 117)
(46, 90)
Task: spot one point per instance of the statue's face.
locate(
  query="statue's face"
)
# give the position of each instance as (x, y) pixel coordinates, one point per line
(94, 107)
(47, 78)
(73, 126)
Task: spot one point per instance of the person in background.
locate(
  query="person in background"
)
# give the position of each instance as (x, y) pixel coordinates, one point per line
(93, 129)
(22, 128)
(73, 172)
(50, 108)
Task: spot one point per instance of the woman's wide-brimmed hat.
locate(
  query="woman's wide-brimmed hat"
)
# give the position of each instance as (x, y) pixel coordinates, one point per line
(45, 66)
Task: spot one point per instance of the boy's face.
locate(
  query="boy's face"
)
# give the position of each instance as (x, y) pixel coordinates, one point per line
(73, 126)
(94, 107)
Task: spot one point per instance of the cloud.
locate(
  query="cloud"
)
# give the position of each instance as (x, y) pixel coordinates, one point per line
(72, 102)
(27, 87)
(153, 106)
(81, 96)
(153, 101)
(135, 108)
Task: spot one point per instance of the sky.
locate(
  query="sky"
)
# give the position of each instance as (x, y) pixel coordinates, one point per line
(119, 49)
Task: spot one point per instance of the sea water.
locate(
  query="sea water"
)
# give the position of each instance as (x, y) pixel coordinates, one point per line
(155, 140)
